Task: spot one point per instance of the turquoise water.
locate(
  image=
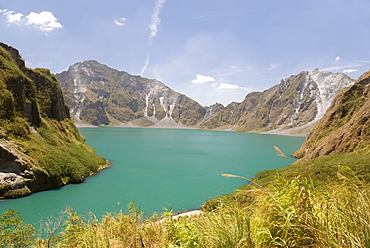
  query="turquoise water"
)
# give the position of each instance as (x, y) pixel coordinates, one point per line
(159, 168)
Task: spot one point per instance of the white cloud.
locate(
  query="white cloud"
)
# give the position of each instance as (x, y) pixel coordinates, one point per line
(155, 20)
(349, 70)
(340, 67)
(230, 86)
(120, 21)
(201, 79)
(44, 21)
(12, 17)
(338, 58)
(348, 66)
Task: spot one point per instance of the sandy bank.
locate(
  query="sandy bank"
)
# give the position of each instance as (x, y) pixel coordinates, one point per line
(187, 214)
(302, 131)
(80, 124)
(286, 132)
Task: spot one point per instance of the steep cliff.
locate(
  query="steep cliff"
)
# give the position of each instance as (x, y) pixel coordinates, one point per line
(100, 95)
(297, 102)
(40, 148)
(345, 127)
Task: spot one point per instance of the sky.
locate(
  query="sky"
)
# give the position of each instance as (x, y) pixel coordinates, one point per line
(210, 50)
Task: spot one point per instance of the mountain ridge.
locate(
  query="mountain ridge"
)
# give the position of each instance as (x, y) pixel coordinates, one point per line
(296, 103)
(100, 95)
(345, 127)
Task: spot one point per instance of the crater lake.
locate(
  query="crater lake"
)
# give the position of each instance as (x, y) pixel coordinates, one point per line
(159, 168)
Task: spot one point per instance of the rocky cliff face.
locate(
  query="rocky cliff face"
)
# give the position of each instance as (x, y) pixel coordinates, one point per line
(345, 127)
(100, 95)
(39, 144)
(294, 105)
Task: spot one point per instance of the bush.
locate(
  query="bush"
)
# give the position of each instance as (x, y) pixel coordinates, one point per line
(14, 232)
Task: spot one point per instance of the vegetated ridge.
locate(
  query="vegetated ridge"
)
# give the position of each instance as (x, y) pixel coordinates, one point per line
(345, 127)
(340, 139)
(40, 147)
(99, 95)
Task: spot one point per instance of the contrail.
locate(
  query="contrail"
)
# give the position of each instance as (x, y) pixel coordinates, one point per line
(145, 65)
(155, 20)
(153, 26)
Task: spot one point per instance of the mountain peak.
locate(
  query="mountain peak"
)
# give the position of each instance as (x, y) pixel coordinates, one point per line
(296, 102)
(345, 125)
(328, 84)
(100, 95)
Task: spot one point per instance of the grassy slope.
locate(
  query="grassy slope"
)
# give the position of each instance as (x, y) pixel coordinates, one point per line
(303, 205)
(345, 126)
(45, 137)
(322, 202)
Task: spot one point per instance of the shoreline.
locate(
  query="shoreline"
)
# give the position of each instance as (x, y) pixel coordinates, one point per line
(292, 132)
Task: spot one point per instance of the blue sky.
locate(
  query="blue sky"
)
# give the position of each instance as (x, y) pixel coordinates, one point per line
(210, 50)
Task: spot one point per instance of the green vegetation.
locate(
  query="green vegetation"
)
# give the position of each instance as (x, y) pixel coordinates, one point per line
(321, 203)
(159, 111)
(323, 172)
(38, 140)
(55, 148)
(187, 111)
(344, 127)
(14, 232)
(68, 159)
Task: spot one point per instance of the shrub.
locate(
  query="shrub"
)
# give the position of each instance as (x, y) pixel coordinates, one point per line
(14, 232)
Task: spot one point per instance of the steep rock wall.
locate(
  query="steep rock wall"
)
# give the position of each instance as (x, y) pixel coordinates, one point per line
(99, 95)
(298, 101)
(37, 136)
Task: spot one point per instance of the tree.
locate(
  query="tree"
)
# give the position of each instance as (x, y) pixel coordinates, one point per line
(14, 232)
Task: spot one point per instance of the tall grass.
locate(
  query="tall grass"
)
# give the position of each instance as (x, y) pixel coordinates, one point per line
(288, 213)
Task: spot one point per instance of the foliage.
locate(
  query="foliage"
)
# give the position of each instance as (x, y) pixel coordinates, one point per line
(288, 212)
(15, 127)
(14, 232)
(285, 213)
(323, 170)
(36, 127)
(318, 203)
(279, 152)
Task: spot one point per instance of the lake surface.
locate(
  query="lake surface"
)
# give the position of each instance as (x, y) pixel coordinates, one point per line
(159, 168)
